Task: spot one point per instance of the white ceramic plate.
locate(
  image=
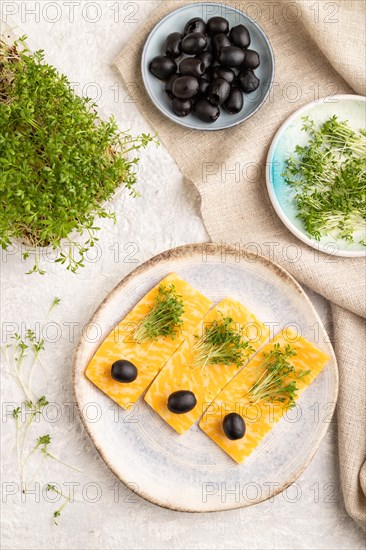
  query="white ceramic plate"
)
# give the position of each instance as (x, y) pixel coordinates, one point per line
(346, 107)
(189, 472)
(175, 21)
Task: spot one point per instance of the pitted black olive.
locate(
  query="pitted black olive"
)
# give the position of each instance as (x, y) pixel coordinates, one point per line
(206, 59)
(169, 86)
(231, 56)
(191, 66)
(173, 44)
(205, 111)
(124, 371)
(203, 87)
(182, 107)
(218, 91)
(234, 102)
(185, 87)
(162, 67)
(240, 36)
(196, 24)
(222, 72)
(194, 43)
(181, 402)
(248, 81)
(251, 60)
(218, 42)
(234, 426)
(216, 25)
(217, 72)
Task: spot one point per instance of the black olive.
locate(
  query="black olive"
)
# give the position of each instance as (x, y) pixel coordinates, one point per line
(182, 107)
(169, 86)
(234, 426)
(124, 371)
(192, 66)
(234, 102)
(181, 402)
(251, 60)
(196, 24)
(218, 42)
(206, 59)
(162, 67)
(194, 43)
(185, 87)
(240, 36)
(222, 72)
(231, 56)
(205, 111)
(216, 25)
(219, 91)
(203, 87)
(173, 45)
(248, 82)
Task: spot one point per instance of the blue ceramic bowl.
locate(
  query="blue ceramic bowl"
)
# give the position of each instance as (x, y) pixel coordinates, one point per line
(175, 22)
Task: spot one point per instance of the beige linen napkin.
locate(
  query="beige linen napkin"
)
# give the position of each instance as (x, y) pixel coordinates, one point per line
(319, 50)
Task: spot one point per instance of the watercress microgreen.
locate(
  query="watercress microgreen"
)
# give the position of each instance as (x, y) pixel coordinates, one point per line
(222, 342)
(328, 175)
(59, 161)
(278, 380)
(165, 317)
(22, 355)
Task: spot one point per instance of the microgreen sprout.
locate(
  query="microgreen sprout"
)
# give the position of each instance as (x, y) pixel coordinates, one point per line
(164, 318)
(60, 162)
(22, 354)
(66, 500)
(278, 380)
(222, 343)
(328, 175)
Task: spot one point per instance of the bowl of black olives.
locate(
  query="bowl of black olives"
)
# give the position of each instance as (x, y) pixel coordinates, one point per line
(207, 66)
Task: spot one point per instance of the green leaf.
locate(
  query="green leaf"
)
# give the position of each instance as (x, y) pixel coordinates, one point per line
(60, 162)
(328, 178)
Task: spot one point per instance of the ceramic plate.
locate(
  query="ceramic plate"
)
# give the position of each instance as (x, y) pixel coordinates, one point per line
(189, 472)
(346, 107)
(175, 21)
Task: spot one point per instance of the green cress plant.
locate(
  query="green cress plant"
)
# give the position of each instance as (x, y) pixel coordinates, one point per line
(328, 175)
(22, 355)
(222, 343)
(59, 162)
(277, 384)
(165, 317)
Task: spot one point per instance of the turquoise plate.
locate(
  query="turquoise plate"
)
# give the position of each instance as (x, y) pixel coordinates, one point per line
(347, 107)
(175, 21)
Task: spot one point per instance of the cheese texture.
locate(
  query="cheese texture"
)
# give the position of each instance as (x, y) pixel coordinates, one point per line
(259, 418)
(149, 357)
(180, 373)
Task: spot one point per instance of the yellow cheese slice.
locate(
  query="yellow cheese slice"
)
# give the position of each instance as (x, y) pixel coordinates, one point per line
(148, 357)
(180, 373)
(261, 417)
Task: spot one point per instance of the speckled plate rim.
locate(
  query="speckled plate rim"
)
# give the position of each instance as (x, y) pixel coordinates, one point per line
(182, 122)
(187, 251)
(272, 194)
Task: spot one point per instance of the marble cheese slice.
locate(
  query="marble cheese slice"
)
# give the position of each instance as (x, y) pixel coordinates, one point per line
(261, 417)
(180, 373)
(148, 357)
